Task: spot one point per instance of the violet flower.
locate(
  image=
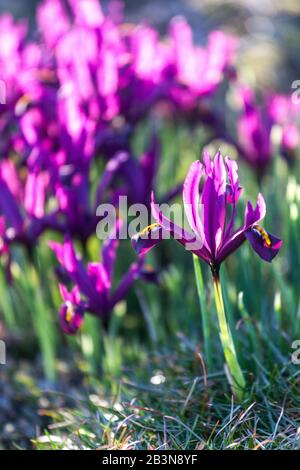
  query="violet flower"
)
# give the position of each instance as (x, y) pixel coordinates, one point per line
(23, 206)
(92, 285)
(213, 236)
(213, 232)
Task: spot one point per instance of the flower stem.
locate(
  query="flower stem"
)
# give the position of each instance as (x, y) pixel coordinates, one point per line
(237, 378)
(204, 313)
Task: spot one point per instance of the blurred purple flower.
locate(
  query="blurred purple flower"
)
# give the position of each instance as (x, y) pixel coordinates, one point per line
(254, 131)
(213, 237)
(93, 283)
(23, 206)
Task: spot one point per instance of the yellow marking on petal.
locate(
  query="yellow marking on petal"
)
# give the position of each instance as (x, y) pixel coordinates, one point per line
(69, 313)
(264, 234)
(148, 229)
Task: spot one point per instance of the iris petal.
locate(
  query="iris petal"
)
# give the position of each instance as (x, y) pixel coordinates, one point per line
(71, 318)
(263, 243)
(191, 198)
(145, 240)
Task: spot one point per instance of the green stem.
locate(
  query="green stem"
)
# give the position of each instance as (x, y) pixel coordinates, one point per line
(237, 378)
(204, 313)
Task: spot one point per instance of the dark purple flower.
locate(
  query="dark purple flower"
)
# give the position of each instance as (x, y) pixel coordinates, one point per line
(93, 283)
(213, 236)
(254, 131)
(198, 71)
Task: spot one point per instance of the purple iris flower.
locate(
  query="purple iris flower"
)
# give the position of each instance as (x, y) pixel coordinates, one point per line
(23, 206)
(76, 209)
(92, 285)
(213, 236)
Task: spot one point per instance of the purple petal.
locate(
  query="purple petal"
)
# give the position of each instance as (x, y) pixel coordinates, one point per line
(265, 244)
(71, 296)
(254, 216)
(98, 277)
(290, 137)
(87, 13)
(8, 174)
(191, 198)
(234, 189)
(74, 267)
(71, 317)
(147, 239)
(111, 168)
(134, 177)
(35, 193)
(149, 163)
(10, 208)
(52, 21)
(214, 202)
(126, 282)
(65, 254)
(233, 192)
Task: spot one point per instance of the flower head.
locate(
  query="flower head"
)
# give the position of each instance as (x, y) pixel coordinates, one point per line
(211, 216)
